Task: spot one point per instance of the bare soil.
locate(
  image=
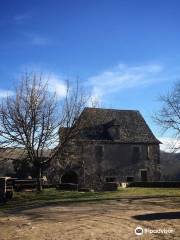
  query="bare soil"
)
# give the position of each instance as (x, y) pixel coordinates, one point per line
(104, 220)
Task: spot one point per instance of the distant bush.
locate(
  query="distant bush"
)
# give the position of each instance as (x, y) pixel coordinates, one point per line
(170, 184)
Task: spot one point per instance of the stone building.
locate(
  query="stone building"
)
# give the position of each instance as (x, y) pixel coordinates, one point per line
(113, 145)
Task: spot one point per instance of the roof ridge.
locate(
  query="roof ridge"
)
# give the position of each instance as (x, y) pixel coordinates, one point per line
(112, 109)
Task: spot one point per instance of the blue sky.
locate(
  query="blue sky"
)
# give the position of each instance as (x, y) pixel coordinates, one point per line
(125, 51)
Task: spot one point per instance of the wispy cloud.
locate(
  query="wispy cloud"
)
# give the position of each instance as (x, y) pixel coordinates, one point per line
(21, 18)
(39, 40)
(5, 93)
(36, 39)
(169, 144)
(56, 84)
(123, 76)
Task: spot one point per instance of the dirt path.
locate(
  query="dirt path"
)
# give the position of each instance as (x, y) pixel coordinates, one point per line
(107, 220)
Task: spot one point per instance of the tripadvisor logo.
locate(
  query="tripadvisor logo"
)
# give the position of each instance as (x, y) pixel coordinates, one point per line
(139, 231)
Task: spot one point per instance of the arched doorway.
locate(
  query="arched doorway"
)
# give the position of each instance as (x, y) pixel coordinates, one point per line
(69, 177)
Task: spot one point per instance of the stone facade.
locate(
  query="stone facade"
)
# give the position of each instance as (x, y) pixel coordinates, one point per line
(102, 160)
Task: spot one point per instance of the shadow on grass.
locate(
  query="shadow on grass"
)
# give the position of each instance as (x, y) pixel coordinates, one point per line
(158, 216)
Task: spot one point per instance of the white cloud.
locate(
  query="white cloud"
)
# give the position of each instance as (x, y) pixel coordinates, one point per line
(39, 40)
(169, 144)
(123, 76)
(56, 84)
(5, 93)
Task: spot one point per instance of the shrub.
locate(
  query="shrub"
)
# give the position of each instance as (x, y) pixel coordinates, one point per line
(154, 184)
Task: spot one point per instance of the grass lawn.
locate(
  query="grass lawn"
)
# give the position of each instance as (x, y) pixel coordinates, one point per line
(53, 196)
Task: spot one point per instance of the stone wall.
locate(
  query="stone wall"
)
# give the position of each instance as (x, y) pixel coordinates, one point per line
(113, 160)
(96, 162)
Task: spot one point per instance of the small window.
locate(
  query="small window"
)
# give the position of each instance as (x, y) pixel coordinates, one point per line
(99, 151)
(136, 154)
(143, 175)
(158, 155)
(158, 160)
(114, 132)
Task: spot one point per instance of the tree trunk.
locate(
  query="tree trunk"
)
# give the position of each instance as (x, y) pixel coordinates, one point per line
(39, 181)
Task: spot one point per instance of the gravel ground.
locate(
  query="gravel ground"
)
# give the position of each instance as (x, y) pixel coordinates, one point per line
(105, 220)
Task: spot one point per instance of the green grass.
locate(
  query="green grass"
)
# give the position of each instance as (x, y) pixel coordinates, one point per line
(23, 200)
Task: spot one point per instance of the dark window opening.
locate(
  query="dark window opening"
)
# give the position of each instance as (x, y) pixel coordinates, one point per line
(158, 160)
(69, 177)
(99, 151)
(136, 154)
(116, 133)
(144, 175)
(158, 157)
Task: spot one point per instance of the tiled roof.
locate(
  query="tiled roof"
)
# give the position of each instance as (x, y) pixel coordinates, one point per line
(131, 126)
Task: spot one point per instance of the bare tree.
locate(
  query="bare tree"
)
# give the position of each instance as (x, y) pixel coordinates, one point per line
(31, 119)
(168, 118)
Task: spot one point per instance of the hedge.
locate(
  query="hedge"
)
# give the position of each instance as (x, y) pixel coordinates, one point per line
(153, 184)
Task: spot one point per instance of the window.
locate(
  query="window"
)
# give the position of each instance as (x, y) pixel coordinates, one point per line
(99, 152)
(143, 175)
(114, 132)
(136, 154)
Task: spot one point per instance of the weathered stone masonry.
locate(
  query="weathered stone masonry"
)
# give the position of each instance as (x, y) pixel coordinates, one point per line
(122, 148)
